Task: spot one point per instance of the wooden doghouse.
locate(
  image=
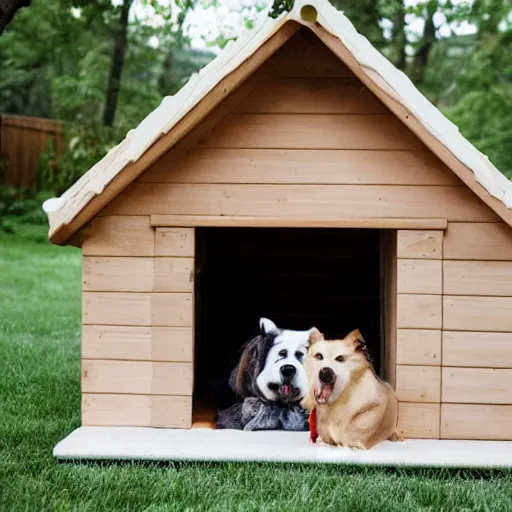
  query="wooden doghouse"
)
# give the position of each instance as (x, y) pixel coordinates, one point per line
(300, 174)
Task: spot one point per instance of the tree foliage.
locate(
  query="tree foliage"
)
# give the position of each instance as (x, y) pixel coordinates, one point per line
(484, 109)
(8, 9)
(68, 75)
(57, 60)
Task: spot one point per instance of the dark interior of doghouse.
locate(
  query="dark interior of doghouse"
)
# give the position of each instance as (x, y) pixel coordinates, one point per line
(299, 278)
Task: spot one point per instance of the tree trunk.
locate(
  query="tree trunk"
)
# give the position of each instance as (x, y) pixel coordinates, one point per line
(420, 61)
(165, 79)
(8, 9)
(399, 36)
(116, 69)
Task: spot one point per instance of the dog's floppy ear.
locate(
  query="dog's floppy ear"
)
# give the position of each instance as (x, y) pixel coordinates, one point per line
(359, 343)
(238, 380)
(314, 336)
(267, 326)
(253, 358)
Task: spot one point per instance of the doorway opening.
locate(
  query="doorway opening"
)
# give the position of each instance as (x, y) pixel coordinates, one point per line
(298, 277)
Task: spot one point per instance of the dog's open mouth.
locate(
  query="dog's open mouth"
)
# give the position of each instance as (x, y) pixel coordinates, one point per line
(323, 392)
(286, 392)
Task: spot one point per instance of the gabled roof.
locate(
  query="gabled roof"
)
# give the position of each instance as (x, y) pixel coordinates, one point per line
(178, 114)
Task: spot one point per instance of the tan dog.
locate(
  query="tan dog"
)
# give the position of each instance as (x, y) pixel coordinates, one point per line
(354, 408)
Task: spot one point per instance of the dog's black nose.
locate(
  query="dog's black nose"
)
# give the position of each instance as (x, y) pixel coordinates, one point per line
(288, 371)
(326, 375)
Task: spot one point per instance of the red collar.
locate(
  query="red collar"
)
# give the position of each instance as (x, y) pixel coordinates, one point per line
(313, 432)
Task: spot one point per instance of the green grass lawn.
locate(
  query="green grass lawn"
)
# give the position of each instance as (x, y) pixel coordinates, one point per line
(40, 404)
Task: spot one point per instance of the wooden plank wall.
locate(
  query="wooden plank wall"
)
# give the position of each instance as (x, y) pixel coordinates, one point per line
(137, 338)
(477, 332)
(22, 140)
(454, 335)
(418, 336)
(286, 145)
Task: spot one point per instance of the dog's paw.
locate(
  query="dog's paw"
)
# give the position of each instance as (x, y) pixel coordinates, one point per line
(357, 446)
(395, 438)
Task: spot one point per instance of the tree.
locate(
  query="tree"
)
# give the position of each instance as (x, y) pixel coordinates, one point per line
(399, 37)
(8, 9)
(27, 68)
(116, 70)
(484, 111)
(365, 15)
(425, 44)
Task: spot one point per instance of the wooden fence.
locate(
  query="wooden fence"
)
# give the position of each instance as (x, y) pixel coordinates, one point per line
(22, 140)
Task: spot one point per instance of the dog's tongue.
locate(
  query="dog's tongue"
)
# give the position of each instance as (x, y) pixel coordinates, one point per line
(325, 392)
(285, 389)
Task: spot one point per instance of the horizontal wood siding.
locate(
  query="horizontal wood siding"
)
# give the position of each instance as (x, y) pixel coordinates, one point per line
(418, 347)
(273, 166)
(301, 201)
(311, 96)
(111, 410)
(477, 385)
(418, 383)
(314, 131)
(138, 274)
(477, 349)
(119, 236)
(476, 421)
(419, 311)
(420, 276)
(144, 309)
(420, 244)
(137, 377)
(492, 314)
(102, 273)
(418, 420)
(305, 56)
(171, 241)
(477, 331)
(137, 343)
(477, 241)
(493, 278)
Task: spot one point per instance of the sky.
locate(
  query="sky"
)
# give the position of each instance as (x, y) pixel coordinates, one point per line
(207, 21)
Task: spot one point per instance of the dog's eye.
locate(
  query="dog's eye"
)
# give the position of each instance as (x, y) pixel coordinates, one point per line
(283, 353)
(299, 355)
(340, 359)
(319, 356)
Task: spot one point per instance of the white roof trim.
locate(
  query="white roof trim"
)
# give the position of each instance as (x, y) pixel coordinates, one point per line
(174, 108)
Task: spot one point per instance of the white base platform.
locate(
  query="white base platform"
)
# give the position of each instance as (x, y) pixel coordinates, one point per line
(134, 443)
